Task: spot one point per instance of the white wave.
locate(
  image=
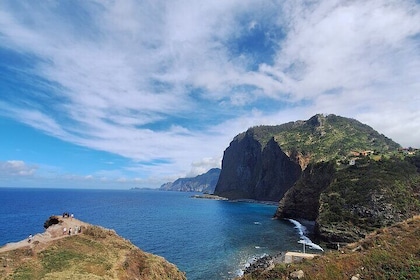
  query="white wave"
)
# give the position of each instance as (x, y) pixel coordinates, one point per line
(303, 238)
(248, 262)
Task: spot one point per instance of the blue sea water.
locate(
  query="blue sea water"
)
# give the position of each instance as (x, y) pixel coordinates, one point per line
(208, 239)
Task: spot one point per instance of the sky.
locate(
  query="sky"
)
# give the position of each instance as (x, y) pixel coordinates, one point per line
(121, 94)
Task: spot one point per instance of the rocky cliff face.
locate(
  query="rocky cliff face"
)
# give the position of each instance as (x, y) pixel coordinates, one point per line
(346, 201)
(205, 183)
(278, 173)
(265, 161)
(368, 196)
(240, 168)
(349, 202)
(251, 172)
(302, 200)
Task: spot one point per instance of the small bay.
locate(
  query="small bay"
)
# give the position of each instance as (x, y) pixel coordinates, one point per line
(208, 239)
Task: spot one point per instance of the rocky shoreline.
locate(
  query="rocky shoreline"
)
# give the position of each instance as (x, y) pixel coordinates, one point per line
(265, 262)
(209, 196)
(216, 197)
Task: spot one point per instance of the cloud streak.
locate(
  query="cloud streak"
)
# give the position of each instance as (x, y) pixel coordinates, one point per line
(173, 82)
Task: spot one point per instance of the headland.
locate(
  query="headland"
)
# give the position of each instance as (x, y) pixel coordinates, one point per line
(70, 248)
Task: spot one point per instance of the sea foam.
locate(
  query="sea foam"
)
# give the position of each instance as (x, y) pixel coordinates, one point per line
(303, 238)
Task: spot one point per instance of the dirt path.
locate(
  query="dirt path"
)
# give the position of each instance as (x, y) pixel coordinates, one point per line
(54, 232)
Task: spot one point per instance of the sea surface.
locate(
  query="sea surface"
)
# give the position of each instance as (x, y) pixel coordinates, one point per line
(208, 239)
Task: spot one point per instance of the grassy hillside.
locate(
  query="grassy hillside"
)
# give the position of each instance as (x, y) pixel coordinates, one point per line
(368, 195)
(96, 253)
(323, 138)
(388, 253)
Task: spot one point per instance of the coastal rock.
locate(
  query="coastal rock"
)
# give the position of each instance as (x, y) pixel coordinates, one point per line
(262, 163)
(278, 173)
(241, 167)
(302, 201)
(299, 274)
(265, 262)
(388, 253)
(91, 253)
(366, 197)
(252, 172)
(205, 183)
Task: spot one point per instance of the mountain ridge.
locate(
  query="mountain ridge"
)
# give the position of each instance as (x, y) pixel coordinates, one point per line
(205, 183)
(336, 171)
(320, 138)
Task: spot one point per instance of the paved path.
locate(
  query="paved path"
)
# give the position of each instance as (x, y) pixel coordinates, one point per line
(54, 232)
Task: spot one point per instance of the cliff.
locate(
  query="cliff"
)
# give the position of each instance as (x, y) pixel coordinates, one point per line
(335, 171)
(348, 202)
(265, 161)
(91, 252)
(388, 253)
(302, 200)
(252, 172)
(205, 183)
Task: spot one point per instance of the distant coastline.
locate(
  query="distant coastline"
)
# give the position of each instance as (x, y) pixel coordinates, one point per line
(143, 189)
(209, 196)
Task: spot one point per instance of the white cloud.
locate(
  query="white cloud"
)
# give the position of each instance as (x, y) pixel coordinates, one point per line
(127, 76)
(17, 168)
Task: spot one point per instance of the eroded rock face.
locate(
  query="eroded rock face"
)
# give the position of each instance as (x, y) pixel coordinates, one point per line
(278, 173)
(252, 172)
(302, 200)
(349, 202)
(241, 168)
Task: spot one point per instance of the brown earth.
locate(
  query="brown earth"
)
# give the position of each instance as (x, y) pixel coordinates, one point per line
(94, 253)
(388, 253)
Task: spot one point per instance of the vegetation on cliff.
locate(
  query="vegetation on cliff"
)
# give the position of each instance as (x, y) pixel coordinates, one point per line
(95, 253)
(388, 253)
(261, 162)
(350, 201)
(368, 195)
(323, 138)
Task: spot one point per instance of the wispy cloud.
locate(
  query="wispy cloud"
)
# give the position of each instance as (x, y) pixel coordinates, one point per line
(16, 168)
(172, 82)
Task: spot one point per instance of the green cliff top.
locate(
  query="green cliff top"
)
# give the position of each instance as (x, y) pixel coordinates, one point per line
(323, 138)
(93, 253)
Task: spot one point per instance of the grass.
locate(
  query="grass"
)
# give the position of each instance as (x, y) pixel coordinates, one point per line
(389, 253)
(97, 253)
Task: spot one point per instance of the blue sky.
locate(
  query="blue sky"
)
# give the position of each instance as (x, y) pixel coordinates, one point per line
(120, 94)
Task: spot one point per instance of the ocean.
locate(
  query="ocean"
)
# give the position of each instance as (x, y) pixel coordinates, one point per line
(207, 239)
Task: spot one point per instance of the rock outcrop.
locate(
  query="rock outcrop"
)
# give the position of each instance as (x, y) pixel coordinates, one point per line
(265, 161)
(302, 200)
(333, 170)
(250, 171)
(278, 173)
(349, 202)
(388, 253)
(205, 183)
(91, 252)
